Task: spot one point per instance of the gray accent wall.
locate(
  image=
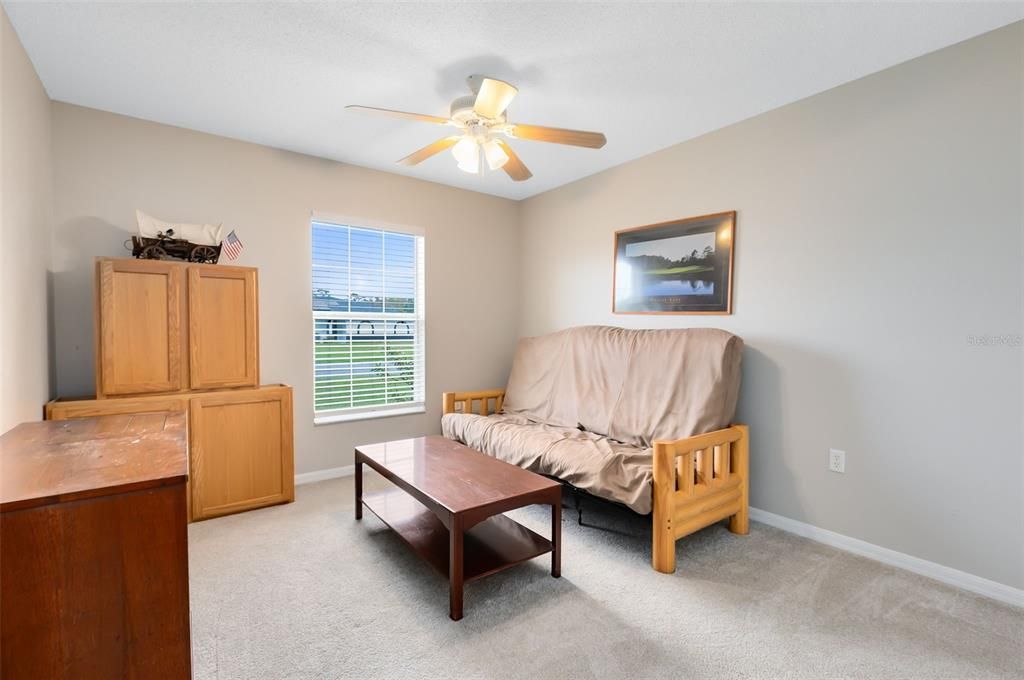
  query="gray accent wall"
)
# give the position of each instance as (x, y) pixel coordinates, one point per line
(877, 285)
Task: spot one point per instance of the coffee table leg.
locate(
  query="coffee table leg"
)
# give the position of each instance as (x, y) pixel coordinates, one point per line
(455, 557)
(556, 536)
(359, 487)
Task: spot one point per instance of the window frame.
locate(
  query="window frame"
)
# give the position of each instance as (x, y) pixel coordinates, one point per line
(418, 317)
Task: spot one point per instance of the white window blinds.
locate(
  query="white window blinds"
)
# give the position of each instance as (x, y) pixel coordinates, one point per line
(367, 321)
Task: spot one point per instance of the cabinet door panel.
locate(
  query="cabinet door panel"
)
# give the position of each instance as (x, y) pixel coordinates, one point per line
(241, 451)
(222, 327)
(140, 336)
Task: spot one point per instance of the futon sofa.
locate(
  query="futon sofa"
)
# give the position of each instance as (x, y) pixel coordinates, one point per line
(640, 417)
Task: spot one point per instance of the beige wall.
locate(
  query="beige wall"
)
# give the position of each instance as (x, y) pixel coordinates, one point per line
(25, 210)
(106, 166)
(879, 227)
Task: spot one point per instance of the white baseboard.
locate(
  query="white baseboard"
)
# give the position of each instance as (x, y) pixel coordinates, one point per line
(947, 575)
(321, 475)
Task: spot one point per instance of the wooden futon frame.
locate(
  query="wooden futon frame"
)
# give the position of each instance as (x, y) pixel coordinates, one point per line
(698, 480)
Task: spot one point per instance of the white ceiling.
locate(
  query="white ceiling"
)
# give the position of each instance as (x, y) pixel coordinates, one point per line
(648, 76)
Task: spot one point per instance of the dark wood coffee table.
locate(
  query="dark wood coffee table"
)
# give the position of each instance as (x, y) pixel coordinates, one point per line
(448, 508)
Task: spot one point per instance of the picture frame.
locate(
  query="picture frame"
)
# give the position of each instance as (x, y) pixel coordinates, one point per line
(682, 266)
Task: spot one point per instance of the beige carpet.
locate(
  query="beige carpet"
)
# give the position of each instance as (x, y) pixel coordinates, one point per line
(305, 591)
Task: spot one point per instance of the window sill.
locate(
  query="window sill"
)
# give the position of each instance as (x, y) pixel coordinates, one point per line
(368, 415)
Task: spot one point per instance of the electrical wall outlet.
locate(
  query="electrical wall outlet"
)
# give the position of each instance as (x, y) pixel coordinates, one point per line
(836, 460)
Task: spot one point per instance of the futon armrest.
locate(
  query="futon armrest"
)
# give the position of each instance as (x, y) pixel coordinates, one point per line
(699, 480)
(703, 459)
(703, 441)
(462, 402)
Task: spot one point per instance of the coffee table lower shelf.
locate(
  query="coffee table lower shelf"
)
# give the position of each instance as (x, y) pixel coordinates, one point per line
(492, 545)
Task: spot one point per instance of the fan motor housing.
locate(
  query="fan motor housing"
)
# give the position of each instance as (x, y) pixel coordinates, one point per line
(462, 112)
(462, 109)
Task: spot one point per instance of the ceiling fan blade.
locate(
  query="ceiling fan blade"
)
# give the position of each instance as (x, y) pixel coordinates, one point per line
(538, 133)
(493, 98)
(426, 152)
(514, 165)
(422, 117)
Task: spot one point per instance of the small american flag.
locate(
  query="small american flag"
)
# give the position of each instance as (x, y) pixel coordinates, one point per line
(232, 246)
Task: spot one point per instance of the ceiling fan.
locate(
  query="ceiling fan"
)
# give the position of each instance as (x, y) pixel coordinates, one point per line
(481, 119)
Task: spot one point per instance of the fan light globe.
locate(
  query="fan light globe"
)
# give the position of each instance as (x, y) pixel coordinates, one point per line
(467, 153)
(495, 155)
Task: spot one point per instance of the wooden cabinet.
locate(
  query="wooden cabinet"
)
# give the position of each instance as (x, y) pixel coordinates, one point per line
(65, 409)
(240, 443)
(68, 409)
(222, 326)
(177, 336)
(242, 454)
(139, 330)
(94, 575)
(164, 326)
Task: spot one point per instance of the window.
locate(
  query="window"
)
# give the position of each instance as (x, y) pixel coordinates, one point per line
(367, 322)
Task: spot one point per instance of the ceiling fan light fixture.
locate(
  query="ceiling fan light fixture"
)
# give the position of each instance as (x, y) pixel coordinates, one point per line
(495, 155)
(480, 121)
(467, 153)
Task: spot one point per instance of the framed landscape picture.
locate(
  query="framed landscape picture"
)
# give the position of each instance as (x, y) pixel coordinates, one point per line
(678, 267)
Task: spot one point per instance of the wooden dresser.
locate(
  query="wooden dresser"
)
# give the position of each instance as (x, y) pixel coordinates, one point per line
(179, 336)
(94, 575)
